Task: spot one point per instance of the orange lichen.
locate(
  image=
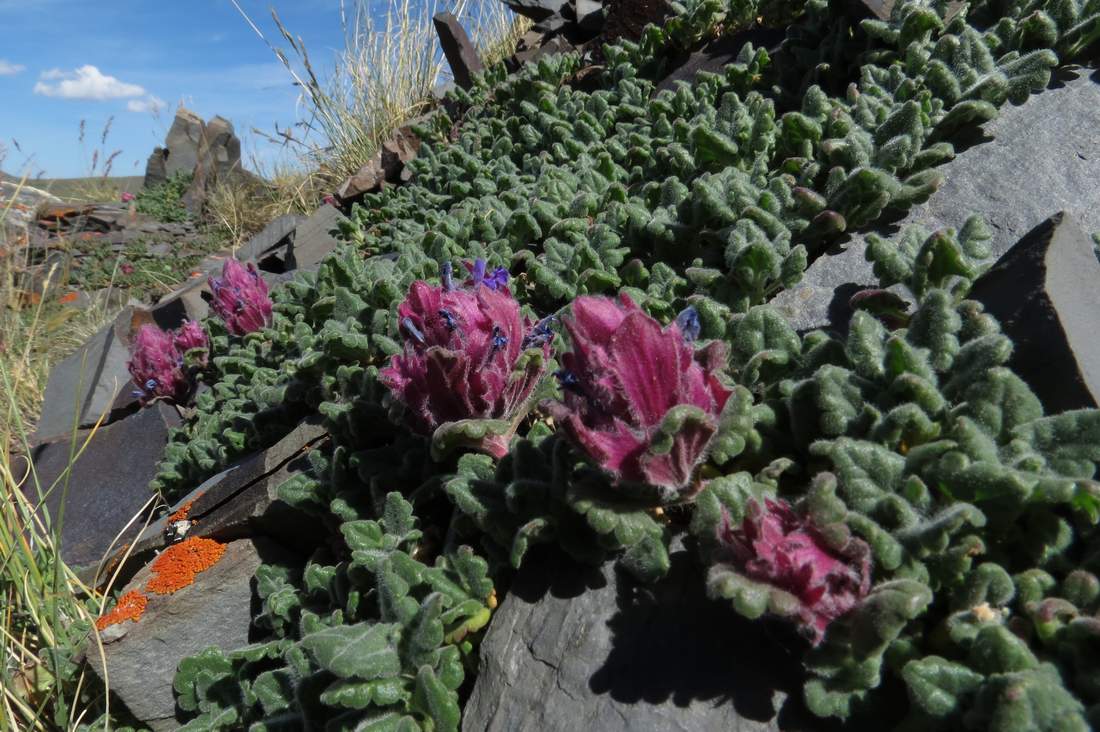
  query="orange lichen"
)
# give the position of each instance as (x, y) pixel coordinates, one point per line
(130, 607)
(181, 515)
(177, 565)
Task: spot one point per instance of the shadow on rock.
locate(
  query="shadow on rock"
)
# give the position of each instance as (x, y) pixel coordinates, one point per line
(670, 642)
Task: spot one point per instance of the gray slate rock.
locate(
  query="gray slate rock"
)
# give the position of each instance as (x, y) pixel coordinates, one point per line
(239, 502)
(460, 51)
(717, 54)
(573, 648)
(536, 9)
(277, 233)
(85, 385)
(156, 168)
(590, 15)
(313, 240)
(108, 485)
(186, 303)
(182, 143)
(142, 656)
(1044, 293)
(1038, 161)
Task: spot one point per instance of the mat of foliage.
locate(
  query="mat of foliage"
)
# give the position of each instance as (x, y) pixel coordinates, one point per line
(953, 520)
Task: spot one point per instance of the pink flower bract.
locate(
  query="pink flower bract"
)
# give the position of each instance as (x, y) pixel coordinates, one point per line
(621, 380)
(156, 365)
(191, 337)
(240, 298)
(463, 357)
(774, 545)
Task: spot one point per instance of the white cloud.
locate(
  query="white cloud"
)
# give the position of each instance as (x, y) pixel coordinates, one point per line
(150, 104)
(10, 69)
(86, 82)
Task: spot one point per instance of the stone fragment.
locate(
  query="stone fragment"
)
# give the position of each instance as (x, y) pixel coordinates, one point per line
(238, 502)
(367, 179)
(549, 25)
(83, 387)
(556, 44)
(313, 239)
(1044, 293)
(141, 656)
(460, 51)
(223, 147)
(572, 648)
(276, 234)
(182, 143)
(108, 484)
(717, 54)
(186, 303)
(156, 168)
(1037, 162)
(387, 165)
(536, 9)
(21, 202)
(590, 15)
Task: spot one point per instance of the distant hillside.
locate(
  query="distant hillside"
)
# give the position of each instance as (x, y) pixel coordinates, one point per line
(83, 189)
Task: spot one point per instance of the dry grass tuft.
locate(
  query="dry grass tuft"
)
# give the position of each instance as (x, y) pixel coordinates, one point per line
(382, 77)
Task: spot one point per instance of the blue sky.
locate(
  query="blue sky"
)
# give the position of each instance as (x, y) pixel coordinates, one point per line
(63, 61)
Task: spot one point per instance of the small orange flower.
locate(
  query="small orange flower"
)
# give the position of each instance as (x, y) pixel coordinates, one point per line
(130, 607)
(177, 565)
(68, 297)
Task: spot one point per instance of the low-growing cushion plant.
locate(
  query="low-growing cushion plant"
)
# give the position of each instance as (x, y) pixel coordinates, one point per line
(893, 491)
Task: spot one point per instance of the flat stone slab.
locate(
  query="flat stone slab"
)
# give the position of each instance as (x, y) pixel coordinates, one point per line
(573, 648)
(277, 233)
(536, 9)
(1044, 293)
(719, 53)
(1041, 160)
(84, 386)
(142, 656)
(313, 240)
(108, 484)
(239, 502)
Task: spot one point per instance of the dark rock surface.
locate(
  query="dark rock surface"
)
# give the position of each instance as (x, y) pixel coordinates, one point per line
(1037, 162)
(108, 484)
(276, 234)
(156, 168)
(536, 9)
(85, 385)
(720, 52)
(574, 648)
(186, 303)
(141, 657)
(182, 142)
(460, 51)
(239, 502)
(1044, 293)
(313, 239)
(589, 14)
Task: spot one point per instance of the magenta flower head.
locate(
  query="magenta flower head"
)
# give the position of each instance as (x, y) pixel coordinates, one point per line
(190, 338)
(156, 365)
(126, 197)
(240, 298)
(777, 547)
(640, 400)
(469, 356)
